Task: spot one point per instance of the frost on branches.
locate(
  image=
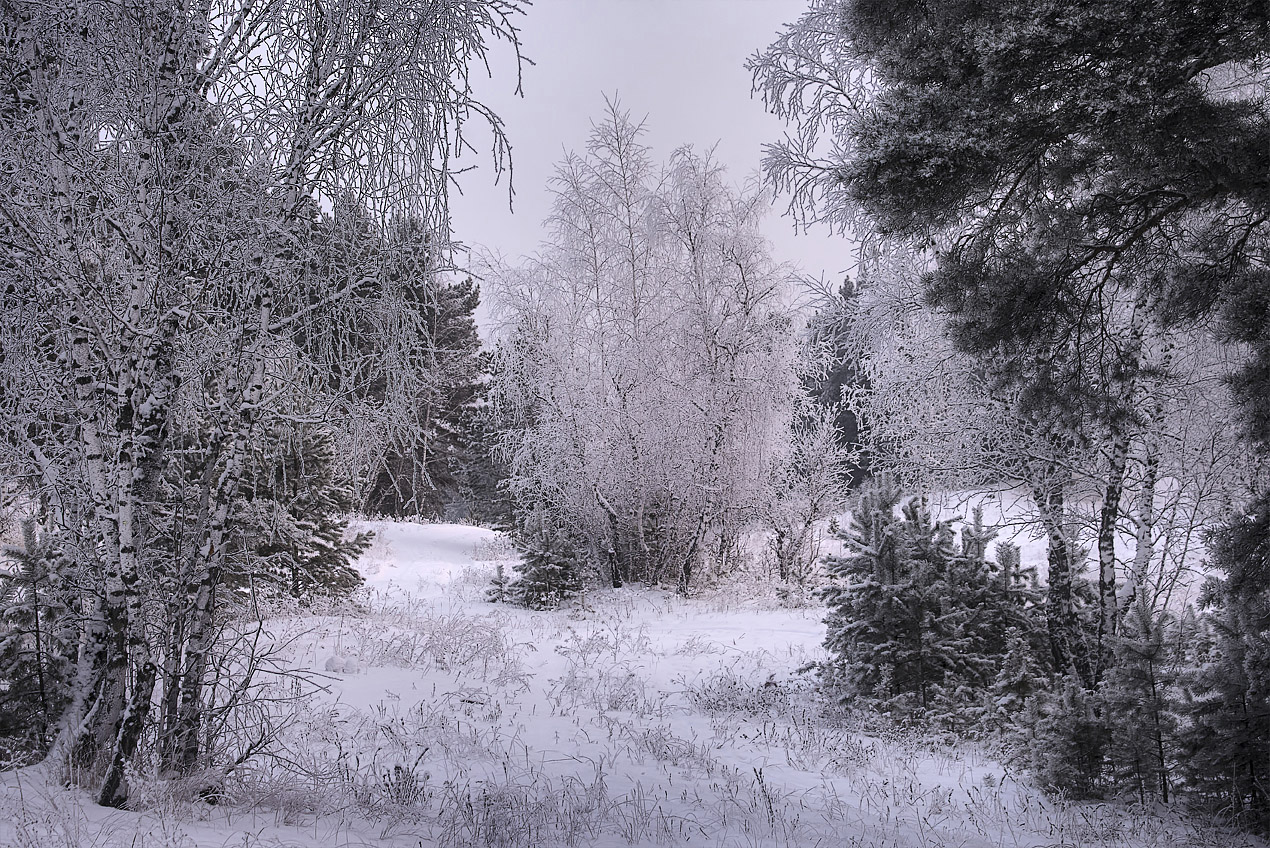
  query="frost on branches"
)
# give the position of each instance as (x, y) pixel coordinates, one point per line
(647, 360)
(164, 171)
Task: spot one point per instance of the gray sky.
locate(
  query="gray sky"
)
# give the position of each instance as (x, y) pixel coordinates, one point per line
(678, 62)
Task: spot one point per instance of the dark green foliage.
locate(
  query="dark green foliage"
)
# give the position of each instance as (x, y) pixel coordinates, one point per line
(1098, 151)
(867, 610)
(1226, 747)
(550, 571)
(918, 625)
(1092, 175)
(37, 646)
(1069, 741)
(497, 591)
(480, 469)
(1137, 693)
(294, 520)
(1017, 681)
(442, 469)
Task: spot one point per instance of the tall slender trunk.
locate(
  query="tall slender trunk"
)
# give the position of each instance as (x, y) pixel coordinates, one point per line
(617, 573)
(1108, 608)
(1062, 623)
(143, 424)
(1144, 520)
(206, 573)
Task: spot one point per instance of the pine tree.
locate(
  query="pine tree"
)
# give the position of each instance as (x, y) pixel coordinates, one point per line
(1137, 695)
(872, 620)
(497, 593)
(36, 647)
(550, 571)
(1016, 682)
(1069, 741)
(917, 625)
(956, 659)
(1225, 747)
(295, 519)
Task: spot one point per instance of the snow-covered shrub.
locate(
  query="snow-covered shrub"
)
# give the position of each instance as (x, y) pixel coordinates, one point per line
(646, 368)
(727, 691)
(532, 811)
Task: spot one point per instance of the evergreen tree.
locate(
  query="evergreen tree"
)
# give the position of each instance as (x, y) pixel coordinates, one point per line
(550, 571)
(295, 519)
(956, 653)
(497, 591)
(437, 470)
(1069, 740)
(990, 602)
(1225, 747)
(1016, 682)
(36, 647)
(480, 468)
(1087, 153)
(1137, 694)
(916, 624)
(873, 618)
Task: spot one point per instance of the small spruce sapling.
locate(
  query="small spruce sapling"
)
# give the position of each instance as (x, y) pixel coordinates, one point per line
(549, 573)
(1137, 691)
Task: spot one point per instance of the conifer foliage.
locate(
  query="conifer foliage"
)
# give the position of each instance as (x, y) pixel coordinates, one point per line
(36, 646)
(1226, 743)
(295, 521)
(551, 570)
(918, 622)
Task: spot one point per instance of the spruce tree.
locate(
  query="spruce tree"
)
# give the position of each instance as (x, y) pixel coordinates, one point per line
(1225, 747)
(296, 519)
(436, 472)
(1137, 696)
(36, 646)
(1017, 681)
(550, 571)
(480, 468)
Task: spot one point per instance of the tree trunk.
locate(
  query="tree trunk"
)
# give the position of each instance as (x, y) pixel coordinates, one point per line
(616, 571)
(1060, 608)
(1108, 608)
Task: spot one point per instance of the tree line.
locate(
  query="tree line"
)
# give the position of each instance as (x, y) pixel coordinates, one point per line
(223, 326)
(1061, 213)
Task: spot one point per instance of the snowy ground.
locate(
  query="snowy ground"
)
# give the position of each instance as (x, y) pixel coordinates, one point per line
(640, 718)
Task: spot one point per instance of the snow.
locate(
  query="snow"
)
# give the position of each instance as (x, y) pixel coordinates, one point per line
(408, 555)
(636, 717)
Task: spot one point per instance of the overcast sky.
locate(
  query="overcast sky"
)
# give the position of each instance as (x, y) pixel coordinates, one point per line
(680, 63)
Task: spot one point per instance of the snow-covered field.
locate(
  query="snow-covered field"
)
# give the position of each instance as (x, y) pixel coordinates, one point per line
(638, 718)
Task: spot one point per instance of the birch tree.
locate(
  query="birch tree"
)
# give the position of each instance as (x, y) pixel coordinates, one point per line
(164, 170)
(647, 358)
